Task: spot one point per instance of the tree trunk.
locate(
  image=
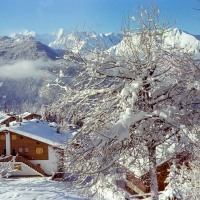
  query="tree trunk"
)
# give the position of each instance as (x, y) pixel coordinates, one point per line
(153, 172)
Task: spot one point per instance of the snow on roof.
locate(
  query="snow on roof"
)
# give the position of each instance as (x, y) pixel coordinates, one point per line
(25, 114)
(41, 131)
(3, 117)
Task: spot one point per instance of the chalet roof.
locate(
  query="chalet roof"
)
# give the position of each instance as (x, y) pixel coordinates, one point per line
(26, 114)
(41, 131)
(3, 117)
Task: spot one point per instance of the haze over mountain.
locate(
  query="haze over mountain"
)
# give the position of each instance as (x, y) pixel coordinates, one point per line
(26, 57)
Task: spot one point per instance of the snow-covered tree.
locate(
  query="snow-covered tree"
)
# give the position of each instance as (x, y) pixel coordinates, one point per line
(130, 100)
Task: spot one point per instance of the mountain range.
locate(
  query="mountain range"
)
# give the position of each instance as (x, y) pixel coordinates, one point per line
(30, 45)
(73, 41)
(26, 57)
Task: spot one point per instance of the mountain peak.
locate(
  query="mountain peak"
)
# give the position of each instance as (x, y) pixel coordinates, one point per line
(60, 33)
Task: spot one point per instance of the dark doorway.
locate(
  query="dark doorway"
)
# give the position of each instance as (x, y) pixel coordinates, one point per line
(13, 152)
(4, 151)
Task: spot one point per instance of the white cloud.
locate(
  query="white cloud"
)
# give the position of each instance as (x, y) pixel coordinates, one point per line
(22, 69)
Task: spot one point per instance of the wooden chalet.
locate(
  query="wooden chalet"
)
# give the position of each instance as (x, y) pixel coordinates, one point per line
(35, 147)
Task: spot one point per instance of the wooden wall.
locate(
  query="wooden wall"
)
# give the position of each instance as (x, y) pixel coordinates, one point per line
(19, 141)
(25, 146)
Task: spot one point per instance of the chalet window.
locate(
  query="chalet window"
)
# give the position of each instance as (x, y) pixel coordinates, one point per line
(26, 150)
(18, 166)
(20, 150)
(13, 137)
(39, 150)
(2, 137)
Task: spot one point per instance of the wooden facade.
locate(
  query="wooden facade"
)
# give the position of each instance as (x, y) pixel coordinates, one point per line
(24, 146)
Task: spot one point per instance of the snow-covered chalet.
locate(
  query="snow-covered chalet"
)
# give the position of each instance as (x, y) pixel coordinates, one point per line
(35, 147)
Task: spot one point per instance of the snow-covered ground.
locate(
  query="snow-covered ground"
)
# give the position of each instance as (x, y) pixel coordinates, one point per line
(35, 189)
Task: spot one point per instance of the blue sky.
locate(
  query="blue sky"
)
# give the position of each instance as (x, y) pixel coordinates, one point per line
(45, 16)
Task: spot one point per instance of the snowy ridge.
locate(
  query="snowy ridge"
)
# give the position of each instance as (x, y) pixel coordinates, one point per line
(43, 38)
(172, 37)
(84, 41)
(75, 41)
(185, 40)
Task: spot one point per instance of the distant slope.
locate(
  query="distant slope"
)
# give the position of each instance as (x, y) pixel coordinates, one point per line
(20, 94)
(29, 94)
(24, 48)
